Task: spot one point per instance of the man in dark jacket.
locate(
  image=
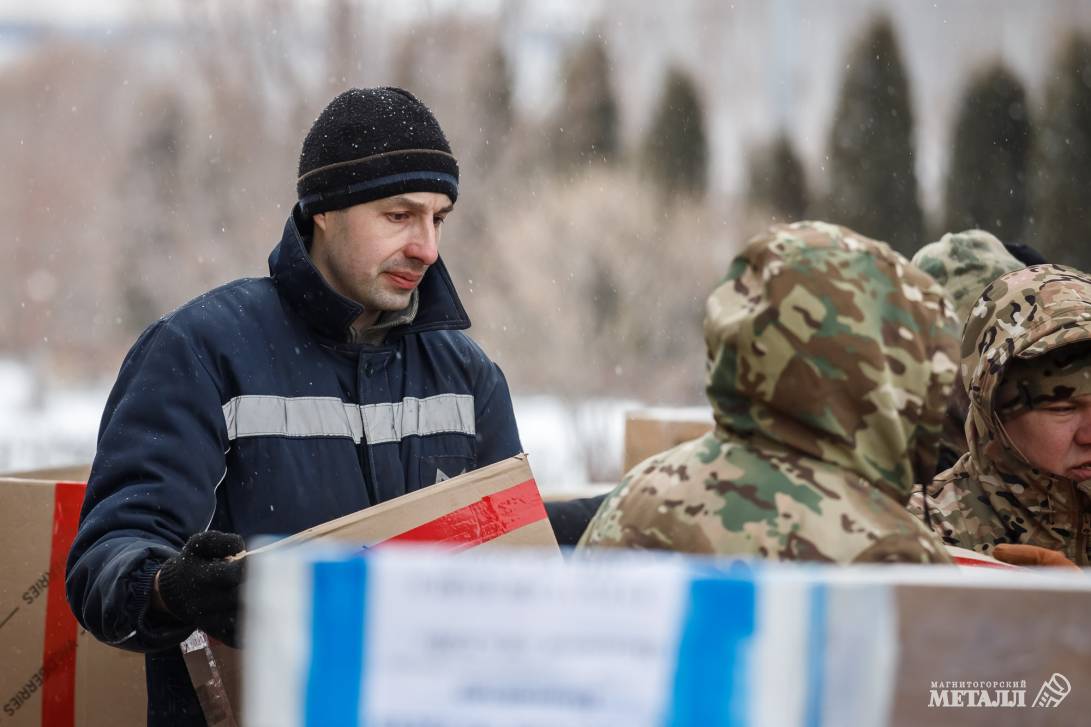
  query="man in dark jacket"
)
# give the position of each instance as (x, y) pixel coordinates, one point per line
(270, 405)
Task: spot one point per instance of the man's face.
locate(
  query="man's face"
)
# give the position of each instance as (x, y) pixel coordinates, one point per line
(376, 253)
(1056, 437)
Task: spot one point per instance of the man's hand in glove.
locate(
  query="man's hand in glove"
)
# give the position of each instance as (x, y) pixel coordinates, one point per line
(200, 585)
(1031, 555)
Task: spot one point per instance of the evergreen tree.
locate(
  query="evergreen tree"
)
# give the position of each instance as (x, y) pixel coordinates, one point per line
(586, 124)
(406, 60)
(676, 148)
(342, 45)
(1063, 158)
(873, 182)
(493, 105)
(777, 182)
(987, 179)
(151, 190)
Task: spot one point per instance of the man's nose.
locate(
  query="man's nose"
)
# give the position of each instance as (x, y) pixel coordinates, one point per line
(424, 245)
(1083, 432)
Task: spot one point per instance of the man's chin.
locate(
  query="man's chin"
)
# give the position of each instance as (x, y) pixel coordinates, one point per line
(391, 301)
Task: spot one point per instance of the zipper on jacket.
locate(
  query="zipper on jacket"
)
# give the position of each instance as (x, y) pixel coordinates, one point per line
(365, 471)
(364, 371)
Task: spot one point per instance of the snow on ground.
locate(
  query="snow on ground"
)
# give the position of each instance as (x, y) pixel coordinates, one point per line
(45, 426)
(571, 443)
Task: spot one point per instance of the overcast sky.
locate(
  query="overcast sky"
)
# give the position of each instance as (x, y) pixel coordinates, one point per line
(109, 11)
(73, 11)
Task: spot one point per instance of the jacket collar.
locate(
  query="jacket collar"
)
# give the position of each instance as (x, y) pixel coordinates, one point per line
(330, 313)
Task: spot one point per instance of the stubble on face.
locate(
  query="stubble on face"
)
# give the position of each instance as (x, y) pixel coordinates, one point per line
(346, 266)
(377, 253)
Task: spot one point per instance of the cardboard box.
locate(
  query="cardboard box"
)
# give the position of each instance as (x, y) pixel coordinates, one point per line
(578, 492)
(70, 473)
(652, 431)
(53, 672)
(984, 633)
(639, 637)
(494, 507)
(966, 558)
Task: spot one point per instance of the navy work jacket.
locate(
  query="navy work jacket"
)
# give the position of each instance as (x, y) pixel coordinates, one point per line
(245, 411)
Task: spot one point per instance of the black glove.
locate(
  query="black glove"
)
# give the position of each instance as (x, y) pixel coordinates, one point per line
(200, 587)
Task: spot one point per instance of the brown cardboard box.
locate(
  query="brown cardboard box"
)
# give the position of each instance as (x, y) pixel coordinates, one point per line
(652, 431)
(493, 507)
(70, 473)
(53, 673)
(578, 492)
(991, 634)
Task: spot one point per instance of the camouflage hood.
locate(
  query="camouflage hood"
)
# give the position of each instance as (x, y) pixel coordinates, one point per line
(993, 494)
(829, 360)
(835, 347)
(1022, 315)
(964, 263)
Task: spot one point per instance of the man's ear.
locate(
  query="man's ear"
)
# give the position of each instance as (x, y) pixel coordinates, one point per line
(320, 221)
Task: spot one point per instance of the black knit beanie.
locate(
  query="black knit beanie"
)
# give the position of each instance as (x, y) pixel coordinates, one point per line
(370, 143)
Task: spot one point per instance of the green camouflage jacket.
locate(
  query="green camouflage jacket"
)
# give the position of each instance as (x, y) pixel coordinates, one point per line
(830, 358)
(964, 263)
(992, 495)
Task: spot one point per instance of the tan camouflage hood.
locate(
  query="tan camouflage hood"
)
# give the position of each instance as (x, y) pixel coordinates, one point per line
(993, 495)
(832, 345)
(829, 359)
(1023, 314)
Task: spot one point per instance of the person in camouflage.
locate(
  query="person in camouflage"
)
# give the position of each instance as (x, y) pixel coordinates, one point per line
(830, 358)
(1026, 358)
(964, 263)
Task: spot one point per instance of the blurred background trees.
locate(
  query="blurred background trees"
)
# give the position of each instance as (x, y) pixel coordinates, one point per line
(987, 178)
(585, 128)
(872, 184)
(675, 150)
(776, 181)
(612, 162)
(1063, 180)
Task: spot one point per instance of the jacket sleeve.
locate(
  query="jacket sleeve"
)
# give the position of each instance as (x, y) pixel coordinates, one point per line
(161, 455)
(904, 548)
(497, 434)
(941, 521)
(570, 518)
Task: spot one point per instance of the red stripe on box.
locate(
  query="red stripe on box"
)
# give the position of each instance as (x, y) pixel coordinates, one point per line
(488, 518)
(981, 563)
(59, 651)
